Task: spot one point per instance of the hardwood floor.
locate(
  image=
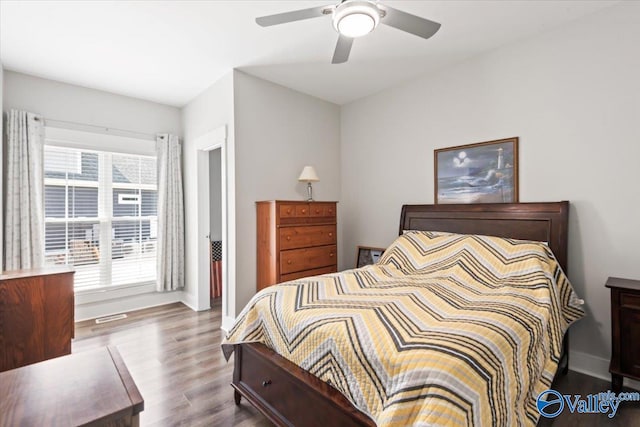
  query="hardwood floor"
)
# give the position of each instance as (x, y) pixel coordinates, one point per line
(174, 356)
(573, 383)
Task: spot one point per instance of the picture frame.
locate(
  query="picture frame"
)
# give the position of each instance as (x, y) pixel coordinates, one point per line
(485, 172)
(368, 255)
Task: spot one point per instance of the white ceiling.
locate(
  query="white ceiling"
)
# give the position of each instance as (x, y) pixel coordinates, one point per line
(170, 51)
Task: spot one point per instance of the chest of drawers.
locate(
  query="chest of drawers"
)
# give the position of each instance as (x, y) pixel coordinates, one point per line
(294, 240)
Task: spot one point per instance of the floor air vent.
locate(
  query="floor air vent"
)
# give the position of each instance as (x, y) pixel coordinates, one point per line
(111, 318)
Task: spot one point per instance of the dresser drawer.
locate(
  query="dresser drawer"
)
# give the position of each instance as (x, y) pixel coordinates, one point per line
(322, 210)
(630, 300)
(280, 388)
(302, 237)
(630, 337)
(287, 211)
(302, 211)
(294, 210)
(308, 273)
(266, 381)
(307, 259)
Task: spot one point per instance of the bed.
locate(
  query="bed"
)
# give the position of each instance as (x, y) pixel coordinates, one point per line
(290, 395)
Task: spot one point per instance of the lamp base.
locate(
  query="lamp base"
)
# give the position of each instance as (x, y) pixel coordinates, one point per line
(309, 192)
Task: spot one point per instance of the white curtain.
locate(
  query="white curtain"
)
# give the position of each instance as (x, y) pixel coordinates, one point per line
(170, 214)
(24, 203)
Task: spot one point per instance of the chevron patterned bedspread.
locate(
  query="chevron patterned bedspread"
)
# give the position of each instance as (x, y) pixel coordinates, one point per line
(446, 329)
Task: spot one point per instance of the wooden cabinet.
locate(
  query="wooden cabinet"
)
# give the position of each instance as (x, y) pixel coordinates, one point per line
(625, 330)
(295, 239)
(89, 388)
(36, 315)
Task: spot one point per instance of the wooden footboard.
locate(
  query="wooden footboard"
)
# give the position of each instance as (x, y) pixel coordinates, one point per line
(288, 395)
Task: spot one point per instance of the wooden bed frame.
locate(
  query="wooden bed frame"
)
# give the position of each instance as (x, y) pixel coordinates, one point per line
(290, 396)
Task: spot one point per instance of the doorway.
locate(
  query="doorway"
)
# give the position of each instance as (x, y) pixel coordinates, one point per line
(215, 225)
(216, 141)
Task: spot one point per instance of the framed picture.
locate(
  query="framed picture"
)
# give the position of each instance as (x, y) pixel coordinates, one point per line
(486, 172)
(368, 255)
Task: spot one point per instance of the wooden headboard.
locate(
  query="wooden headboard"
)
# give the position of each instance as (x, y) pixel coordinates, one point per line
(542, 222)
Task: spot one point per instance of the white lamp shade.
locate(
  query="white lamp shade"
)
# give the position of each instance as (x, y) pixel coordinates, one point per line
(308, 175)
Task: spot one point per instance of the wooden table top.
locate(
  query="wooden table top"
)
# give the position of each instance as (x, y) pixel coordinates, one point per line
(89, 387)
(617, 282)
(42, 271)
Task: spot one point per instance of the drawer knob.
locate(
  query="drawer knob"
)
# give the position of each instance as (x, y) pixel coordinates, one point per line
(266, 383)
(288, 261)
(288, 237)
(317, 210)
(330, 234)
(331, 254)
(288, 211)
(304, 211)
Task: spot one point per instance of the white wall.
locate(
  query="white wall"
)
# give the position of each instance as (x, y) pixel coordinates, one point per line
(61, 101)
(209, 111)
(573, 98)
(278, 131)
(70, 103)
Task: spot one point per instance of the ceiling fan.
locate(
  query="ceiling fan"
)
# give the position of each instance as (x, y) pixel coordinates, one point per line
(356, 18)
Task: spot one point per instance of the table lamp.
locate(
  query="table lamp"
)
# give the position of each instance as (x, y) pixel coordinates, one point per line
(309, 175)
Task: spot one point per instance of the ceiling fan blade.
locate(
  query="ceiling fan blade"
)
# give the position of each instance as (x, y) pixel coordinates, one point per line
(296, 15)
(410, 23)
(343, 48)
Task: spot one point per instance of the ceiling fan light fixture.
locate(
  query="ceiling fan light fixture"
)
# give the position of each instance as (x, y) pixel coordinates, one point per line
(354, 18)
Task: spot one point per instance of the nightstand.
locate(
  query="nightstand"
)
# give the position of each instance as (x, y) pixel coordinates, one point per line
(625, 330)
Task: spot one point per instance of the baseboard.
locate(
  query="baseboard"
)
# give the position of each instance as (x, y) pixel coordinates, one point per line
(595, 366)
(103, 294)
(123, 305)
(190, 301)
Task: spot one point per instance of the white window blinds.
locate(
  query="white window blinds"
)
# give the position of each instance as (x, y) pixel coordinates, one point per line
(101, 215)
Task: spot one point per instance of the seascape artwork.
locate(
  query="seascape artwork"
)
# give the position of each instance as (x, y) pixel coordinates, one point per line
(478, 173)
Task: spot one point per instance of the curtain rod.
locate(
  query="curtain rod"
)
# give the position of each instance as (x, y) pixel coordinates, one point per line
(99, 129)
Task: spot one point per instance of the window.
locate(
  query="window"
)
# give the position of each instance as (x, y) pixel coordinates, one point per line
(101, 215)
